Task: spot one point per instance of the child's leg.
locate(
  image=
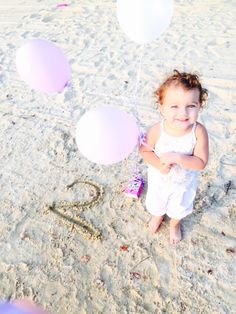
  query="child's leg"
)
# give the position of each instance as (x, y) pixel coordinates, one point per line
(155, 223)
(175, 231)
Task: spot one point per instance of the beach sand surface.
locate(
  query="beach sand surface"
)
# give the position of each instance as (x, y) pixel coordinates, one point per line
(45, 254)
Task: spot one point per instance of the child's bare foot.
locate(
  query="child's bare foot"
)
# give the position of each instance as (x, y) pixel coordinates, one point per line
(175, 233)
(155, 223)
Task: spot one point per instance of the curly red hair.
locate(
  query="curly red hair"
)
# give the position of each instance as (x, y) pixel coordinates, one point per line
(187, 81)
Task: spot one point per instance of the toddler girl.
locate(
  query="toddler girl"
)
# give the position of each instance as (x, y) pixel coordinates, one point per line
(175, 149)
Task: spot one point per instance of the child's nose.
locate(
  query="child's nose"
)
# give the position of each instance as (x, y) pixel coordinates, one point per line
(184, 111)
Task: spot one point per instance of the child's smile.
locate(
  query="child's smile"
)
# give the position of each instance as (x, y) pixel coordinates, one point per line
(180, 109)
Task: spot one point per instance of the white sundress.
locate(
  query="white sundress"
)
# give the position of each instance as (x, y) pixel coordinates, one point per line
(173, 193)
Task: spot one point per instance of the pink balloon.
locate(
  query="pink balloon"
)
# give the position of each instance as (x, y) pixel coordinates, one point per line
(106, 135)
(28, 307)
(43, 66)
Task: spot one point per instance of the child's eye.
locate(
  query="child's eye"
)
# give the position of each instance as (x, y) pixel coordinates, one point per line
(191, 106)
(173, 106)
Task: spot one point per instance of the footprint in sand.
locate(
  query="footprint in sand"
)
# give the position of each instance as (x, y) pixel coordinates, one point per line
(163, 271)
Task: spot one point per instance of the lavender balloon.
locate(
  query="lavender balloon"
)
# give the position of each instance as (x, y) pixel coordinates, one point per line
(106, 135)
(43, 66)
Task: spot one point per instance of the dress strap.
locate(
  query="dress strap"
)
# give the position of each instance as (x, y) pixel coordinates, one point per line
(193, 134)
(194, 127)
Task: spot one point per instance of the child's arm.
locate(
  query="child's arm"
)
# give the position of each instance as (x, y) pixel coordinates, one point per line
(199, 159)
(147, 151)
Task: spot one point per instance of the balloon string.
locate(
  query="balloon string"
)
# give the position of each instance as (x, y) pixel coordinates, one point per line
(142, 141)
(139, 69)
(135, 169)
(74, 102)
(137, 86)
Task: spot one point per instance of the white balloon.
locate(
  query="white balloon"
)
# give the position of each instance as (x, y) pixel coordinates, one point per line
(144, 20)
(106, 135)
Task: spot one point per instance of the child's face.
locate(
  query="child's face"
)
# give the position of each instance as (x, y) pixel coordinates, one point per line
(180, 107)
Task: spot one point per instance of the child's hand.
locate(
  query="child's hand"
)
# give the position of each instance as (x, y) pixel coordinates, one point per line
(167, 161)
(169, 158)
(164, 168)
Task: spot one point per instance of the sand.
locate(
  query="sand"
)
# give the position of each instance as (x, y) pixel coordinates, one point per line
(45, 257)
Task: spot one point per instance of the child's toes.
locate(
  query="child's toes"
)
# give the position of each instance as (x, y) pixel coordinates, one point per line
(175, 234)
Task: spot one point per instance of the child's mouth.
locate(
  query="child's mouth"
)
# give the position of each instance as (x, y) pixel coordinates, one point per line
(183, 120)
